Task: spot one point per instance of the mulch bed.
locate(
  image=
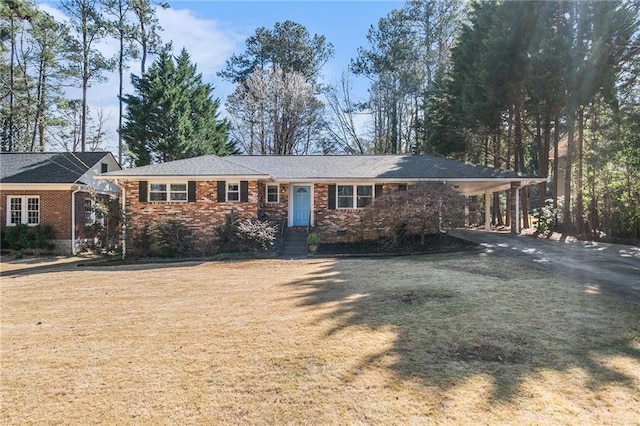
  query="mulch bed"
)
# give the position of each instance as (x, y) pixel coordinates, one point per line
(434, 243)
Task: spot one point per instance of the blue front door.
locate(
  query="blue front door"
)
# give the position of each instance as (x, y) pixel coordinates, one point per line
(301, 205)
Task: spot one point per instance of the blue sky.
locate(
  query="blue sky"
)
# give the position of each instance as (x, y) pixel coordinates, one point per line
(344, 23)
(213, 30)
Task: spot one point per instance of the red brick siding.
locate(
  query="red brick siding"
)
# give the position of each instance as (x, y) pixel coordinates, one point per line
(202, 216)
(276, 212)
(55, 210)
(331, 223)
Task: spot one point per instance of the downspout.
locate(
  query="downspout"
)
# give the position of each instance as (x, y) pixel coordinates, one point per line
(73, 220)
(124, 222)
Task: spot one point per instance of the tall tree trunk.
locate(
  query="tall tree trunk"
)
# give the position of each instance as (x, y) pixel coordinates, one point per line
(579, 173)
(120, 88)
(566, 211)
(519, 152)
(497, 213)
(556, 141)
(394, 126)
(508, 167)
(12, 78)
(85, 83)
(544, 160)
(39, 104)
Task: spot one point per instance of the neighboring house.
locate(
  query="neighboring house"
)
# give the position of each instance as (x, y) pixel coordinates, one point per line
(323, 192)
(54, 189)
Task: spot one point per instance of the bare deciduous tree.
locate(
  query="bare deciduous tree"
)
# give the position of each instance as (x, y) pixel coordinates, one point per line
(342, 120)
(273, 112)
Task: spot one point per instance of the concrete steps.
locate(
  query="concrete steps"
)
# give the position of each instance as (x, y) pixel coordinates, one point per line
(294, 244)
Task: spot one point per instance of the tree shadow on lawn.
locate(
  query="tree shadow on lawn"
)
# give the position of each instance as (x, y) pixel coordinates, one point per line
(101, 265)
(457, 318)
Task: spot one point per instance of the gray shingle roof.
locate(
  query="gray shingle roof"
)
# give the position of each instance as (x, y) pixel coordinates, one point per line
(322, 167)
(368, 167)
(43, 167)
(206, 165)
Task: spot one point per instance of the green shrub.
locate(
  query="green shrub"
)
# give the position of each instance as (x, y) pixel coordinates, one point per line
(174, 239)
(313, 239)
(226, 235)
(545, 218)
(22, 237)
(16, 237)
(143, 242)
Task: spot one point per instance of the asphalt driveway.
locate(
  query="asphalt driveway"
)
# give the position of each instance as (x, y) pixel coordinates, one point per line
(600, 267)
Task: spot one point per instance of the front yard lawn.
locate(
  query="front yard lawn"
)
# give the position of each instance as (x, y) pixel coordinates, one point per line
(444, 339)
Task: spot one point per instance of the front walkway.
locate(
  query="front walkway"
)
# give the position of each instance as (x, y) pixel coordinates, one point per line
(600, 267)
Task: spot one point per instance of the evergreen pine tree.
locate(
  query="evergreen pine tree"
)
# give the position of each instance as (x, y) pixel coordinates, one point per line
(172, 115)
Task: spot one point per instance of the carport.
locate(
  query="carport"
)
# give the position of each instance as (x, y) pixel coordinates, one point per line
(479, 186)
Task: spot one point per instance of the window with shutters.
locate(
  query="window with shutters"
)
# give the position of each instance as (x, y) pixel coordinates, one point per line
(233, 191)
(354, 196)
(176, 192)
(23, 210)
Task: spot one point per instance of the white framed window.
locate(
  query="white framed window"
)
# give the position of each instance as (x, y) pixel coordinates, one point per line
(354, 196)
(345, 196)
(178, 192)
(272, 193)
(23, 209)
(89, 213)
(233, 192)
(364, 195)
(168, 192)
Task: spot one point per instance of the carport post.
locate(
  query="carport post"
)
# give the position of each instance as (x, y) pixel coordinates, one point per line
(515, 212)
(487, 210)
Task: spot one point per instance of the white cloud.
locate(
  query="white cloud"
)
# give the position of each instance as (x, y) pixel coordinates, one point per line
(56, 13)
(208, 44)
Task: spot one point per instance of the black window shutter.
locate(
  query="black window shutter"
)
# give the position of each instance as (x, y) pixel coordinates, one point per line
(332, 197)
(142, 191)
(378, 190)
(191, 191)
(222, 194)
(244, 191)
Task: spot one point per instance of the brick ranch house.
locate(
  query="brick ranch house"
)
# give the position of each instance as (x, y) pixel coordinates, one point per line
(54, 189)
(326, 193)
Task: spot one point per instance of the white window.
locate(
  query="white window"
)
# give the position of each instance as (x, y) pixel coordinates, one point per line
(345, 196)
(272, 193)
(178, 192)
(354, 196)
(168, 192)
(24, 209)
(364, 195)
(89, 213)
(233, 192)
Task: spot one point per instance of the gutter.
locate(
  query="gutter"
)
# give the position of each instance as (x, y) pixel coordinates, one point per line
(73, 219)
(123, 194)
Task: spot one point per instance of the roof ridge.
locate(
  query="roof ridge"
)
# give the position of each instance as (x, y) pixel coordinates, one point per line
(246, 167)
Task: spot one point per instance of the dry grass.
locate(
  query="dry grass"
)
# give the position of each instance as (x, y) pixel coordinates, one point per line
(386, 341)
